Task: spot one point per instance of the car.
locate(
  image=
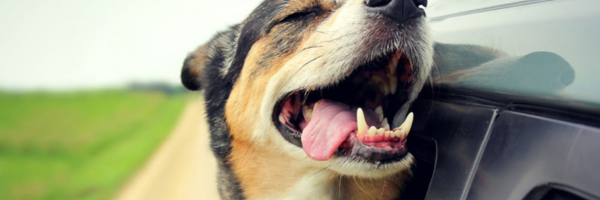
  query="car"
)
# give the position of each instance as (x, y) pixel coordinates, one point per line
(512, 110)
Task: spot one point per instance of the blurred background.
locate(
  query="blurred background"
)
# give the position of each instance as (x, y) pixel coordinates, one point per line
(90, 97)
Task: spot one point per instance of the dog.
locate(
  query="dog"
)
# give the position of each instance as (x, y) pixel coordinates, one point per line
(309, 99)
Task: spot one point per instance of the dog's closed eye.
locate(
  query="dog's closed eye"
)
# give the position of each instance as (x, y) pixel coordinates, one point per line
(301, 15)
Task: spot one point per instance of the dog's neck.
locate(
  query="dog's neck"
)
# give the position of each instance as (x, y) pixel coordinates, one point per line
(280, 176)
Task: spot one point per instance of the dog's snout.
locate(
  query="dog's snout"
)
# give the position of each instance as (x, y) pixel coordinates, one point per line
(397, 10)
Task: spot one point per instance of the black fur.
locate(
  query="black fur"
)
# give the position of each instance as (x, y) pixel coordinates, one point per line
(216, 96)
(187, 78)
(252, 29)
(240, 39)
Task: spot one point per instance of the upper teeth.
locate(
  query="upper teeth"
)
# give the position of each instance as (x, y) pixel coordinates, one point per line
(361, 122)
(379, 111)
(394, 62)
(307, 112)
(393, 84)
(405, 127)
(401, 131)
(385, 124)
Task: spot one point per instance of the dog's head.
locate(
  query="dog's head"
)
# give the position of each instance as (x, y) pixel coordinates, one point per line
(325, 79)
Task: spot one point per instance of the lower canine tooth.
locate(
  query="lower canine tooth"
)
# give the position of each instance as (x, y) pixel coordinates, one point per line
(402, 130)
(407, 122)
(360, 122)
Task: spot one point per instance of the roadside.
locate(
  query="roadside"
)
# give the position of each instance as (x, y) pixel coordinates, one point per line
(182, 168)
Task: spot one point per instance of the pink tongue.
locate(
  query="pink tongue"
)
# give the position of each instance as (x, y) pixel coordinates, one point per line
(330, 125)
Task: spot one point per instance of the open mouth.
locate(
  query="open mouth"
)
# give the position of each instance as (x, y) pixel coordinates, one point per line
(351, 118)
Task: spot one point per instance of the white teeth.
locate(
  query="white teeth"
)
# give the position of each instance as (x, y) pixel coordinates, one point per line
(384, 86)
(385, 124)
(396, 133)
(393, 84)
(379, 112)
(360, 121)
(407, 122)
(404, 129)
(282, 119)
(387, 133)
(380, 131)
(307, 112)
(372, 131)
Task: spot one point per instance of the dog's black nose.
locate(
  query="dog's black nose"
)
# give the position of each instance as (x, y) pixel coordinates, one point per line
(398, 10)
(377, 3)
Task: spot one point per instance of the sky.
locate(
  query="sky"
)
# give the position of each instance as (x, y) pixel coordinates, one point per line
(87, 44)
(81, 44)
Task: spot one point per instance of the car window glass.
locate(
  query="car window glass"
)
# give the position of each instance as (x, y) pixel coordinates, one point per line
(437, 8)
(547, 49)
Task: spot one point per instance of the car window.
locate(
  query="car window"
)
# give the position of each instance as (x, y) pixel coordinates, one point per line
(439, 8)
(545, 49)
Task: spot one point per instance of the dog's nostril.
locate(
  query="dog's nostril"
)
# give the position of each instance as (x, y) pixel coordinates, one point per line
(420, 3)
(377, 3)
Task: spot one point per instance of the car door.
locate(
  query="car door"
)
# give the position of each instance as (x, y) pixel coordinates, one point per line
(513, 107)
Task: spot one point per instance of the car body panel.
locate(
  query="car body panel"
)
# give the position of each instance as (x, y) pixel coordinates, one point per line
(514, 102)
(525, 151)
(459, 131)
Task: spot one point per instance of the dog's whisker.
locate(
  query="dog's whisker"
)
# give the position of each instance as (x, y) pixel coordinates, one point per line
(253, 152)
(319, 171)
(300, 69)
(340, 186)
(382, 189)
(311, 61)
(306, 48)
(247, 149)
(358, 185)
(332, 40)
(322, 32)
(371, 180)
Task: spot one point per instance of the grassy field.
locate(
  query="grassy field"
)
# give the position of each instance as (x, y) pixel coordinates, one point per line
(81, 145)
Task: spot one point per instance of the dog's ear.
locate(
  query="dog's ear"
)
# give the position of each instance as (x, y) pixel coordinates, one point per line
(193, 68)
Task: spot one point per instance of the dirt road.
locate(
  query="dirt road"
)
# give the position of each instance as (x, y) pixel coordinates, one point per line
(182, 168)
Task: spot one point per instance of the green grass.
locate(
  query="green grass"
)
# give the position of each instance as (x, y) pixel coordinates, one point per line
(81, 145)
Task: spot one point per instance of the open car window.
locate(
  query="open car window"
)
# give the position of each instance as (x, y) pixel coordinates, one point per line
(536, 50)
(442, 8)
